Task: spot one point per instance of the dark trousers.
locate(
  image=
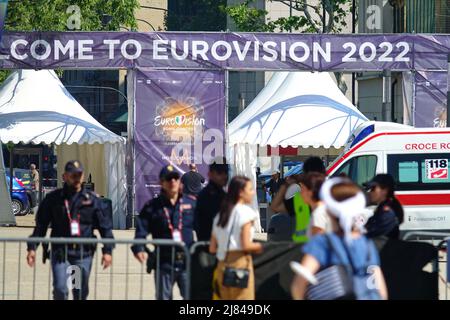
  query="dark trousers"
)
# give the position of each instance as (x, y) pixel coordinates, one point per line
(71, 273)
(168, 276)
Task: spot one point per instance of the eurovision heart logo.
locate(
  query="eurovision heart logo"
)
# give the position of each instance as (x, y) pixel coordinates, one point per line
(179, 119)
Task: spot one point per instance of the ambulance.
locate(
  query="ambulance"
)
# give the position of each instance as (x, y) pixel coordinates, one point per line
(417, 158)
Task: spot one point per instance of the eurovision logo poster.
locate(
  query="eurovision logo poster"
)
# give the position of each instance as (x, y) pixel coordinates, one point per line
(179, 119)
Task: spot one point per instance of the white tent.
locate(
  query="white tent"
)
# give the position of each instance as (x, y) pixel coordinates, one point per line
(299, 109)
(35, 107)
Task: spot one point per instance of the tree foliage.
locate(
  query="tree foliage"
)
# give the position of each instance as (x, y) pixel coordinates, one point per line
(307, 16)
(53, 15)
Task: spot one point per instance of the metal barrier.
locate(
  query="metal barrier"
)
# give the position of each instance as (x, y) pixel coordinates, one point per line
(198, 244)
(123, 280)
(439, 240)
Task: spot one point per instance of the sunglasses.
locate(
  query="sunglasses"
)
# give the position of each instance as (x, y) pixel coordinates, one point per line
(170, 178)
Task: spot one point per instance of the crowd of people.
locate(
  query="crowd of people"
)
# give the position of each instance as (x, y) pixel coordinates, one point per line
(328, 220)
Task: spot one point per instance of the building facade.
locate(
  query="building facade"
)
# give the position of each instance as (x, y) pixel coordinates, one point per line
(103, 93)
(395, 16)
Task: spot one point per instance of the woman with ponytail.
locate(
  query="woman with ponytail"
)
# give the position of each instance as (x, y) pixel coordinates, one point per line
(232, 242)
(389, 212)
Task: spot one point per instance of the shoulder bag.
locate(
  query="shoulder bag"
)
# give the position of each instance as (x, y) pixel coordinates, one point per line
(234, 277)
(334, 282)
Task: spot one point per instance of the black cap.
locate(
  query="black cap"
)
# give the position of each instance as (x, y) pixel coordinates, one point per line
(220, 165)
(383, 180)
(168, 172)
(314, 164)
(74, 166)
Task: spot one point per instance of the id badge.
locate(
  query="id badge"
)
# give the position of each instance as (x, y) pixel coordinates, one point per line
(75, 228)
(176, 235)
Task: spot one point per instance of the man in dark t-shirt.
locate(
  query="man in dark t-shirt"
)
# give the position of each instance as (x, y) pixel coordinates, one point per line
(192, 181)
(210, 198)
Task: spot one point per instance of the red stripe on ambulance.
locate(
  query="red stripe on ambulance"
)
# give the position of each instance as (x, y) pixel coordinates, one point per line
(424, 199)
(414, 146)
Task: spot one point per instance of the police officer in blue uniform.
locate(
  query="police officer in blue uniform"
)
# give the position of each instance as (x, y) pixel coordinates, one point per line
(168, 216)
(72, 212)
(388, 215)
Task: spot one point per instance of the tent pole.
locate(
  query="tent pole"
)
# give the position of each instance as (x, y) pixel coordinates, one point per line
(40, 175)
(11, 170)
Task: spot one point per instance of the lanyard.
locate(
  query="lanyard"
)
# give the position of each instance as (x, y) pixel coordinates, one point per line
(69, 215)
(180, 220)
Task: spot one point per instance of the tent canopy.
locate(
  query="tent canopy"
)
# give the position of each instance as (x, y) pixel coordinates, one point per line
(35, 107)
(294, 109)
(297, 109)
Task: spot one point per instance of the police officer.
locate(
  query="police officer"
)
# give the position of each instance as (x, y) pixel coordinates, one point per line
(168, 216)
(210, 198)
(73, 212)
(389, 212)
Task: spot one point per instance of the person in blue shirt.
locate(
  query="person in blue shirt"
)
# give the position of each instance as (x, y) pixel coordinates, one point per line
(346, 245)
(168, 216)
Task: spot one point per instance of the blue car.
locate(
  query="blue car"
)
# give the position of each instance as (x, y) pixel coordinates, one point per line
(19, 198)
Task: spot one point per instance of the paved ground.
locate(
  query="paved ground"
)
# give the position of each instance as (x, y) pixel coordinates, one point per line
(126, 280)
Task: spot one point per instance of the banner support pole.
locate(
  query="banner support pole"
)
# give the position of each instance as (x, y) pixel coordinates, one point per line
(227, 105)
(130, 161)
(386, 107)
(448, 90)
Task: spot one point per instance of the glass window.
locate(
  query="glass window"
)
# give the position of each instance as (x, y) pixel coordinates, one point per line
(365, 169)
(408, 171)
(344, 170)
(360, 169)
(420, 171)
(435, 170)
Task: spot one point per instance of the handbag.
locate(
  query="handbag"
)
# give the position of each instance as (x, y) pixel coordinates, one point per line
(334, 282)
(235, 277)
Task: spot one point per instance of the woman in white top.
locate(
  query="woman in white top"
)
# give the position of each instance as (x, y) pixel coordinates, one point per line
(310, 185)
(232, 239)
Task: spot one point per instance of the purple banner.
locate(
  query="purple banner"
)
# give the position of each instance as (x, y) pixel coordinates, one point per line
(235, 51)
(180, 119)
(431, 99)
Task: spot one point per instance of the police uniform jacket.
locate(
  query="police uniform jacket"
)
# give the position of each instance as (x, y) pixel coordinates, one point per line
(84, 206)
(153, 220)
